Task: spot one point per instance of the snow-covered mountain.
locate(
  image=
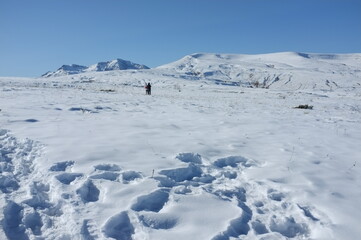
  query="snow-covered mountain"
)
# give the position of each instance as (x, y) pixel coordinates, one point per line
(117, 64)
(66, 70)
(283, 71)
(289, 70)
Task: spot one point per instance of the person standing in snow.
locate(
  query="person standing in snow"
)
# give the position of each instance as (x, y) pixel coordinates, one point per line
(148, 88)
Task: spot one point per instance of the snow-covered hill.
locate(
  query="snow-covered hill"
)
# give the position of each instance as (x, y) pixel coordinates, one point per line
(288, 70)
(118, 64)
(90, 156)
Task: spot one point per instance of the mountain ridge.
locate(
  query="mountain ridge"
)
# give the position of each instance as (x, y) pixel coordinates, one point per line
(282, 70)
(117, 64)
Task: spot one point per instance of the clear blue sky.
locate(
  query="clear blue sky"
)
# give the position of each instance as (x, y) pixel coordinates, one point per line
(41, 35)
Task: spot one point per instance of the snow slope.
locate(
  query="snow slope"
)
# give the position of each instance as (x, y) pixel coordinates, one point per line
(90, 156)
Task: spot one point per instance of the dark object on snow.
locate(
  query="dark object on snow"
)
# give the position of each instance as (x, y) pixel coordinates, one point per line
(304, 107)
(107, 90)
(148, 89)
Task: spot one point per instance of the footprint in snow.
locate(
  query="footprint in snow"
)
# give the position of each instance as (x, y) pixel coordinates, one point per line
(153, 202)
(190, 158)
(106, 171)
(233, 162)
(8, 183)
(67, 178)
(176, 176)
(88, 192)
(81, 109)
(13, 221)
(111, 176)
(20, 221)
(112, 172)
(39, 196)
(288, 227)
(275, 195)
(230, 174)
(259, 227)
(33, 221)
(129, 176)
(89, 230)
(238, 193)
(238, 226)
(107, 167)
(31, 120)
(183, 174)
(158, 220)
(119, 227)
(61, 166)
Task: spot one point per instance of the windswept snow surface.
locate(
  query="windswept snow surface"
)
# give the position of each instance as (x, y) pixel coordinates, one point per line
(90, 156)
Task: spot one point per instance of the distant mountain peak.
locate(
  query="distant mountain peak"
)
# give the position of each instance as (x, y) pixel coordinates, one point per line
(117, 64)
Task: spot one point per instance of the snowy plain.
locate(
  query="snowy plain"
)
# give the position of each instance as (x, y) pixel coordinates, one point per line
(207, 156)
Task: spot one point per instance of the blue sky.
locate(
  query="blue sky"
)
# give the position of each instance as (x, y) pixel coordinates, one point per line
(41, 35)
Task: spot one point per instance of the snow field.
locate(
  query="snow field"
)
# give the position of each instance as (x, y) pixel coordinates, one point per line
(209, 161)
